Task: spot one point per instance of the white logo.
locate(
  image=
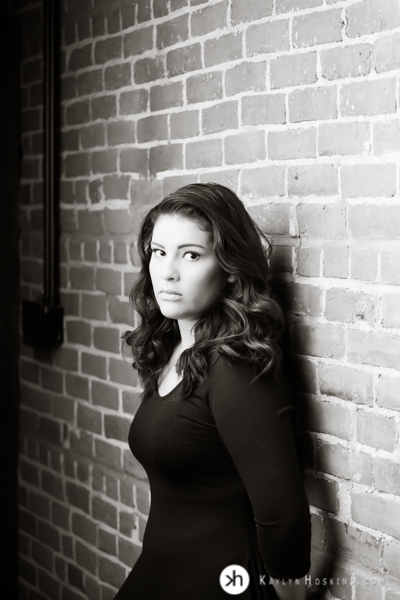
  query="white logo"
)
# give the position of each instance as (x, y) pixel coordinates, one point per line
(234, 580)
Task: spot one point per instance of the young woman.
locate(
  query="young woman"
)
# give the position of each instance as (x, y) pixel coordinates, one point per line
(213, 431)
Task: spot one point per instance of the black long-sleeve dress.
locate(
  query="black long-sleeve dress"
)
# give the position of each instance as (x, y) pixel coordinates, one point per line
(225, 489)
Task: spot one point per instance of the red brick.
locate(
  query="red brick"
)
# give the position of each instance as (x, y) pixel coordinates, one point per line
(104, 107)
(149, 69)
(327, 417)
(90, 221)
(77, 386)
(133, 467)
(117, 76)
(322, 493)
(77, 165)
(104, 394)
(42, 556)
(343, 138)
(120, 312)
(223, 49)
(183, 60)
(116, 427)
(108, 454)
(293, 143)
(133, 102)
(243, 10)
(160, 8)
(108, 281)
(244, 147)
(313, 104)
(373, 349)
(82, 442)
(107, 542)
(372, 16)
(263, 109)
(263, 182)
(53, 485)
(166, 96)
(117, 221)
(90, 82)
(309, 261)
(166, 157)
(134, 160)
(376, 430)
(317, 28)
(336, 262)
(322, 220)
(349, 307)
(209, 19)
(356, 545)
(80, 58)
(375, 512)
(387, 476)
(283, 6)
(368, 180)
(106, 338)
(152, 128)
(93, 135)
(170, 184)
(347, 61)
(248, 76)
(105, 512)
(390, 267)
(78, 332)
(390, 313)
(228, 178)
(346, 383)
(267, 37)
(184, 124)
(306, 299)
(128, 552)
(363, 264)
(387, 392)
(120, 132)
(82, 278)
(122, 372)
(204, 87)
(104, 161)
(272, 218)
(339, 461)
(86, 530)
(387, 53)
(116, 187)
(319, 340)
(375, 222)
(77, 113)
(138, 41)
(368, 98)
(207, 153)
(111, 572)
(94, 365)
(292, 70)
(173, 31)
(319, 180)
(220, 117)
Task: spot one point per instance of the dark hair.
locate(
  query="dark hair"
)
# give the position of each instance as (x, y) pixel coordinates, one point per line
(244, 325)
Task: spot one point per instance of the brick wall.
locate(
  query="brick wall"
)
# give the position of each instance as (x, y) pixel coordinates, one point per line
(295, 105)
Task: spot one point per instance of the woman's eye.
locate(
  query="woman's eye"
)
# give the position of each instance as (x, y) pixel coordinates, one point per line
(191, 255)
(155, 250)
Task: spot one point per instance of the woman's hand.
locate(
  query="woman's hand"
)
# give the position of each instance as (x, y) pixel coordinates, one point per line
(290, 590)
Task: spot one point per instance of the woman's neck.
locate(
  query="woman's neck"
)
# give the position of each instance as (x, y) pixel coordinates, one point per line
(187, 335)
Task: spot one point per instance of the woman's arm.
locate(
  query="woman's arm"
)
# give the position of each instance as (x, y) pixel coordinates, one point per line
(291, 591)
(254, 424)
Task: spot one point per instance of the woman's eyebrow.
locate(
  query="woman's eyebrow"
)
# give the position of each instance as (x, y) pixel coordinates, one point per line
(181, 246)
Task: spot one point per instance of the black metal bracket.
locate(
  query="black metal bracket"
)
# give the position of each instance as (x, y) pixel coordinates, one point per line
(42, 319)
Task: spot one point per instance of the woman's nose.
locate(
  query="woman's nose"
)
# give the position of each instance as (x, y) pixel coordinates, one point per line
(169, 270)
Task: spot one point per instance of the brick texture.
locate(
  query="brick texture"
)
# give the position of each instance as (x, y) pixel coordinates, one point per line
(295, 105)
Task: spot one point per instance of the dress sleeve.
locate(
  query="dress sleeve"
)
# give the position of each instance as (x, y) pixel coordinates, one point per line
(254, 424)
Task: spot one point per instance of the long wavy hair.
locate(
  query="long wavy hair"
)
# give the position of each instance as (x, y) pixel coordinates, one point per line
(244, 325)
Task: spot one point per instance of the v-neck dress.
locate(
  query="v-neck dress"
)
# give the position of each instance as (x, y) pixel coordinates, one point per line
(226, 488)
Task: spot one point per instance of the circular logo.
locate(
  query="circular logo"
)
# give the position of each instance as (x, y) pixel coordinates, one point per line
(234, 579)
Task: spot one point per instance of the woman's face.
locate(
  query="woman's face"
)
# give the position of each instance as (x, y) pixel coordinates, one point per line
(186, 276)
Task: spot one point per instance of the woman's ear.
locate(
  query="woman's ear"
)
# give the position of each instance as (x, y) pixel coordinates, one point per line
(231, 278)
